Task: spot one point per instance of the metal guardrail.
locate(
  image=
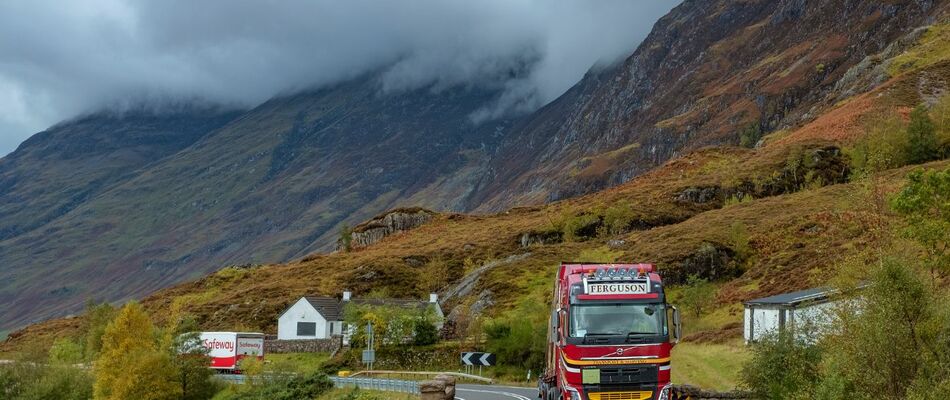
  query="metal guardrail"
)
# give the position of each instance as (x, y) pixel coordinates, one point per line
(387, 385)
(425, 373)
(231, 378)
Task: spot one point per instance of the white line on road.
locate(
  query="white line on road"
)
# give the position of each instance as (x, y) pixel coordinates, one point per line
(506, 394)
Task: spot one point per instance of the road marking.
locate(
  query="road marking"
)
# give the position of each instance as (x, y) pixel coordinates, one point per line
(507, 394)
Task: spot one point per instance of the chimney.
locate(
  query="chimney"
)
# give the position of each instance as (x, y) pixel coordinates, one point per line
(347, 295)
(433, 298)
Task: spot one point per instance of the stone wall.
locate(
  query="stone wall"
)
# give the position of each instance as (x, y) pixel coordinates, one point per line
(301, 346)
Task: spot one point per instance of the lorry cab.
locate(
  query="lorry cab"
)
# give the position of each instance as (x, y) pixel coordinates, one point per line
(610, 334)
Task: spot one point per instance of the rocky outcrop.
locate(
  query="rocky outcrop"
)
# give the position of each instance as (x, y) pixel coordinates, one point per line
(700, 194)
(378, 228)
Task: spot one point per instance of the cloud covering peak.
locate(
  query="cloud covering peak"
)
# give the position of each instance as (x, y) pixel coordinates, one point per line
(59, 59)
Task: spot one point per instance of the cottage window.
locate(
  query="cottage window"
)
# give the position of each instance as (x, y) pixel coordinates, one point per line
(306, 329)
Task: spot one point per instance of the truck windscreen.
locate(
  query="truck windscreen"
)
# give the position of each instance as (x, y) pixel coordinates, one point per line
(617, 319)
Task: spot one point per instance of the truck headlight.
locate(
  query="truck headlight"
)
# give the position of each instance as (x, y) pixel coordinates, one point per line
(574, 394)
(664, 393)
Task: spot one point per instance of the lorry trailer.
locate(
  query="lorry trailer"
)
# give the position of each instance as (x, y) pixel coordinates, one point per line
(227, 349)
(610, 334)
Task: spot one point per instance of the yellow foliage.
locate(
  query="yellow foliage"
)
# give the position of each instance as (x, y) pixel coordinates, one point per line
(131, 365)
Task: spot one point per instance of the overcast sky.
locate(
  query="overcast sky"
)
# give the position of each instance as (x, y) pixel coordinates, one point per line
(59, 59)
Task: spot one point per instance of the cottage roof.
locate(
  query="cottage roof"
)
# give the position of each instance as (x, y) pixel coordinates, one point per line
(329, 307)
(818, 295)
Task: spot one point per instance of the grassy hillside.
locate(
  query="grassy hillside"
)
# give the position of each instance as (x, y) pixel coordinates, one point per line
(755, 222)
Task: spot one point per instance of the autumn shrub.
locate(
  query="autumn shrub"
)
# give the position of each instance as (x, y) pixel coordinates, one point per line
(617, 219)
(895, 339)
(580, 227)
(883, 146)
(781, 367)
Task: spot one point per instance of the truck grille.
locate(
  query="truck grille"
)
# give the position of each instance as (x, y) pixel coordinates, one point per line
(620, 396)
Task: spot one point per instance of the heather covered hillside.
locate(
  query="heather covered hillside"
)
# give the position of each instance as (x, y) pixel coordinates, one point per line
(794, 81)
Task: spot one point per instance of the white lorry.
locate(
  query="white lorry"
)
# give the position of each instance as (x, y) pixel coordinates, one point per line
(226, 349)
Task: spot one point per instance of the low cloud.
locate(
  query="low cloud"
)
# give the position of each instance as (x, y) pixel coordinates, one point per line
(60, 59)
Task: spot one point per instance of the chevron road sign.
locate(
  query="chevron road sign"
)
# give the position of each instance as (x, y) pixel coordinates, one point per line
(478, 359)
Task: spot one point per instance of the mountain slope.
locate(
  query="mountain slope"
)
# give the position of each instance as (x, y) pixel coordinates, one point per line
(279, 181)
(273, 184)
(57, 170)
(709, 70)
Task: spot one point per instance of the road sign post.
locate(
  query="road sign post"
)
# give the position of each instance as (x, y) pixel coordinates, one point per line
(369, 354)
(471, 359)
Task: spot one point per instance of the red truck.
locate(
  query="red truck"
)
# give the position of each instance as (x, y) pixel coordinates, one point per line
(609, 336)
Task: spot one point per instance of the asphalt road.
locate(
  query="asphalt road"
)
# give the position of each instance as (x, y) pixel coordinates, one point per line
(489, 392)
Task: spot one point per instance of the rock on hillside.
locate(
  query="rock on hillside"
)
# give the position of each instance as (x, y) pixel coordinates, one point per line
(381, 226)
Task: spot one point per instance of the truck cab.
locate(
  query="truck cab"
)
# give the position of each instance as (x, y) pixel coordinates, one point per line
(610, 334)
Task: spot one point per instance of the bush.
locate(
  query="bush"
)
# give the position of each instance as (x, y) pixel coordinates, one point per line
(883, 147)
(739, 238)
(424, 333)
(520, 340)
(896, 338)
(65, 351)
(697, 295)
(921, 137)
(750, 135)
(30, 381)
(781, 367)
(617, 219)
(580, 227)
(307, 386)
(924, 202)
(94, 322)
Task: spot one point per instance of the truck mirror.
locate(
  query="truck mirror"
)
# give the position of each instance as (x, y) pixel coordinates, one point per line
(677, 325)
(555, 324)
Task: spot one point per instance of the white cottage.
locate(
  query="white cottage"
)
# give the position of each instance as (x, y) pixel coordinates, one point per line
(311, 317)
(773, 314)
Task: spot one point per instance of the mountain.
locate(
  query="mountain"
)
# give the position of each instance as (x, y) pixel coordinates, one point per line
(279, 181)
(707, 71)
(181, 197)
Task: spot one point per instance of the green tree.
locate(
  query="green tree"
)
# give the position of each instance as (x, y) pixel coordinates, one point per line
(921, 137)
(65, 351)
(131, 365)
(346, 238)
(698, 293)
(425, 333)
(95, 319)
(893, 338)
(520, 338)
(924, 202)
(883, 146)
(782, 367)
(750, 135)
(617, 218)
